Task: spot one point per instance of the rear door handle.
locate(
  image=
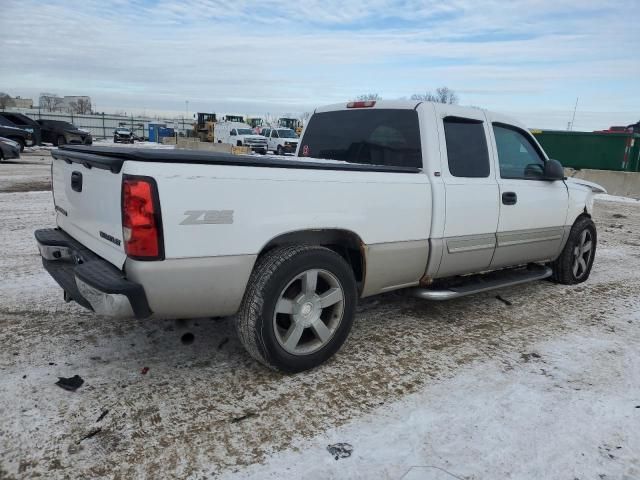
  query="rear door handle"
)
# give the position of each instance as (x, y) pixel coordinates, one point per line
(76, 181)
(509, 198)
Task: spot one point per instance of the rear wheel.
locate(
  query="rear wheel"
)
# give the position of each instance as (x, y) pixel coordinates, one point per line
(575, 262)
(298, 307)
(280, 150)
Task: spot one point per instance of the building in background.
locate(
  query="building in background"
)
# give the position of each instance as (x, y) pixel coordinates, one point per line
(51, 102)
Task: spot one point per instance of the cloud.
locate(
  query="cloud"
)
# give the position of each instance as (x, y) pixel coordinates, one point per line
(283, 56)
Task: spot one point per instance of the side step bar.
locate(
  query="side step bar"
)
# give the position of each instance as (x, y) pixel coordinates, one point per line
(482, 283)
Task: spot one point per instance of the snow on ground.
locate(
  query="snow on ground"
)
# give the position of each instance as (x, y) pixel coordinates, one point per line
(604, 197)
(569, 409)
(546, 387)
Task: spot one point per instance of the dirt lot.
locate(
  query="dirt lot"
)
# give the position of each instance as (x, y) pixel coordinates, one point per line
(205, 409)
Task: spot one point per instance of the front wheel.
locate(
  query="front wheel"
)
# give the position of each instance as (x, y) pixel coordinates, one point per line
(61, 140)
(280, 150)
(298, 307)
(575, 262)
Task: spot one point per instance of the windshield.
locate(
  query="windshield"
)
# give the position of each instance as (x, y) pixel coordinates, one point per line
(376, 137)
(244, 131)
(287, 133)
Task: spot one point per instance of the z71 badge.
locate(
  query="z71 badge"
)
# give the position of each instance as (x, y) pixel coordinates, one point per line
(208, 217)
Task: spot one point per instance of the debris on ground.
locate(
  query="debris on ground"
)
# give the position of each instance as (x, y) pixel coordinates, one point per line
(618, 215)
(224, 341)
(102, 415)
(340, 450)
(187, 338)
(71, 384)
(144, 370)
(528, 356)
(243, 417)
(92, 433)
(503, 300)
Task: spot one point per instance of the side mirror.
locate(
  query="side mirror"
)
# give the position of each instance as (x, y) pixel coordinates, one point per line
(553, 170)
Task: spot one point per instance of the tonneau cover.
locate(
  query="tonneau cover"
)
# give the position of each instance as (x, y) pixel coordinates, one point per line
(112, 158)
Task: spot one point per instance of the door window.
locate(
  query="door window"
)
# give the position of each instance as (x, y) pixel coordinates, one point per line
(466, 147)
(518, 157)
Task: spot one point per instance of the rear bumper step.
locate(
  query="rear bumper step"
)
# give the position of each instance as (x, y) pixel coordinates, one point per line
(88, 279)
(482, 283)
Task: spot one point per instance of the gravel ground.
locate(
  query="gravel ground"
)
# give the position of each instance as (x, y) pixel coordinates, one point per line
(160, 403)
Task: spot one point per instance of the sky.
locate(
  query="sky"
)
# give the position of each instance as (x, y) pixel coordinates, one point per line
(531, 58)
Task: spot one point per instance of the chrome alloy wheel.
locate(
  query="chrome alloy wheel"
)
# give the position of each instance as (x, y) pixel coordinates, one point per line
(308, 312)
(582, 254)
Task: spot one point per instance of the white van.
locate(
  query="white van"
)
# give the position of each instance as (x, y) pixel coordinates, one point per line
(239, 134)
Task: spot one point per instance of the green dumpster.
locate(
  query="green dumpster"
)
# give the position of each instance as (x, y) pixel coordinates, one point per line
(596, 150)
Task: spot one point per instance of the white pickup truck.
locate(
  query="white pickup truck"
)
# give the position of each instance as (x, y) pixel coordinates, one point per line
(438, 200)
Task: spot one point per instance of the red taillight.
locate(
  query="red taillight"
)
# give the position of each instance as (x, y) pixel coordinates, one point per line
(141, 229)
(366, 104)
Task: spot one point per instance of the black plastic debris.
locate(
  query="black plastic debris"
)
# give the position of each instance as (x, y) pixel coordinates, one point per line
(187, 338)
(340, 450)
(102, 415)
(71, 384)
(224, 341)
(504, 300)
(92, 433)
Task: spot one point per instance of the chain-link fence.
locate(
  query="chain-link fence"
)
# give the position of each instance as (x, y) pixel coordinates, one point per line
(102, 125)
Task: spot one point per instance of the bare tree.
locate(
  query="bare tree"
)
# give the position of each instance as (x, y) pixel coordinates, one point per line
(50, 101)
(83, 106)
(6, 101)
(368, 97)
(305, 116)
(442, 95)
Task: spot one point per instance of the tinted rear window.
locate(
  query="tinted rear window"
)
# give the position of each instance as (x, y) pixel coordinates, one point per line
(369, 136)
(466, 147)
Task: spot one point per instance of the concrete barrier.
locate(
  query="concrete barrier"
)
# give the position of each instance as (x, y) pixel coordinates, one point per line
(196, 144)
(623, 184)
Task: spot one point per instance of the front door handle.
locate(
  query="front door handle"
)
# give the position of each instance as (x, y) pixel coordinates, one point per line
(509, 198)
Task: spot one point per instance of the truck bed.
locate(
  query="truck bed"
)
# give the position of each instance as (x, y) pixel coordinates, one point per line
(112, 158)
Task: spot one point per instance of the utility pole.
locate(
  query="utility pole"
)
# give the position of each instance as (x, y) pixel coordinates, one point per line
(573, 119)
(186, 102)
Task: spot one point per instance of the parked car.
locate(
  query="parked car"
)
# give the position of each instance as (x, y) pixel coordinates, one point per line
(398, 195)
(61, 133)
(239, 134)
(123, 135)
(281, 140)
(9, 149)
(20, 120)
(8, 130)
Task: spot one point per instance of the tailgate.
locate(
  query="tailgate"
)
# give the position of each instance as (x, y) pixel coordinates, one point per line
(88, 207)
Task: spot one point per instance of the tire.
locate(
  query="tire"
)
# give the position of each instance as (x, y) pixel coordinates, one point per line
(292, 340)
(61, 140)
(280, 150)
(575, 262)
(263, 152)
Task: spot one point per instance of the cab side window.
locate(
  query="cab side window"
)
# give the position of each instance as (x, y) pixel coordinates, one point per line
(519, 158)
(467, 151)
(266, 131)
(274, 134)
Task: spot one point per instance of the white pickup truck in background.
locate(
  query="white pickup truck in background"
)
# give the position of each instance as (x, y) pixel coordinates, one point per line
(438, 200)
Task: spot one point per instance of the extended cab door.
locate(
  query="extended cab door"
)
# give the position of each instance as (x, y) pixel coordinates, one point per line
(532, 210)
(471, 191)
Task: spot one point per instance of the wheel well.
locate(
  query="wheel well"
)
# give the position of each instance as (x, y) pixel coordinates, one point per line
(345, 243)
